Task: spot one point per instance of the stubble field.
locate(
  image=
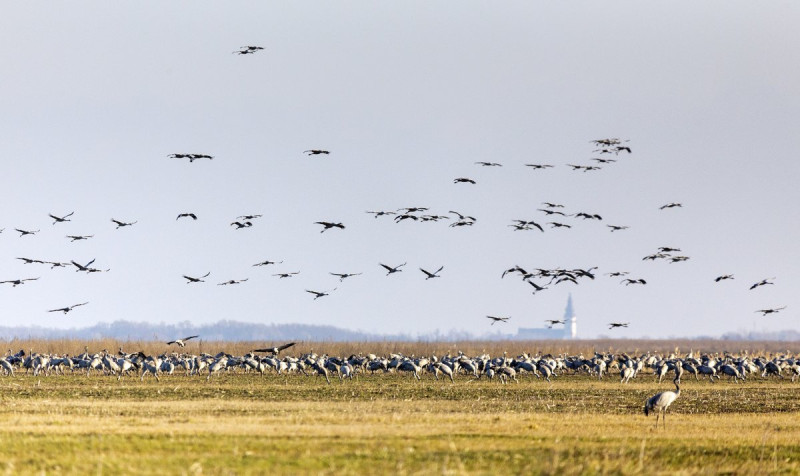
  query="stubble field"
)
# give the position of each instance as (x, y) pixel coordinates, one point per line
(240, 423)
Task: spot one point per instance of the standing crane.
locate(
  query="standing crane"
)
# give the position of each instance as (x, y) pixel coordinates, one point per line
(660, 402)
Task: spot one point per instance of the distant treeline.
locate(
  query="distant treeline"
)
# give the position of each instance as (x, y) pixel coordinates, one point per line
(235, 331)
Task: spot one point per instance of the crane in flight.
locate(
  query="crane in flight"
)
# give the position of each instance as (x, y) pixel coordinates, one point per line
(267, 263)
(343, 276)
(16, 282)
(274, 350)
(120, 224)
(239, 225)
(68, 308)
(196, 280)
(763, 282)
(773, 310)
(392, 270)
(61, 219)
(181, 342)
(328, 225)
(496, 319)
(26, 232)
(319, 294)
(429, 275)
(74, 238)
(248, 50)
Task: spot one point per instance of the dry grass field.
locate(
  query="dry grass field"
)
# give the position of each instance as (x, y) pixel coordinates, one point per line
(390, 424)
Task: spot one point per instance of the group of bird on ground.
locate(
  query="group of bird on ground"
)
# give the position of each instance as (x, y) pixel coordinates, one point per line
(260, 361)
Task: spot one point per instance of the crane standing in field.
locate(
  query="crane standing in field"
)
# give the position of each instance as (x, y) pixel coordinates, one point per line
(660, 402)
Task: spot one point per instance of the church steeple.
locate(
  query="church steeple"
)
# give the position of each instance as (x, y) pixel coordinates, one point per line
(569, 312)
(570, 321)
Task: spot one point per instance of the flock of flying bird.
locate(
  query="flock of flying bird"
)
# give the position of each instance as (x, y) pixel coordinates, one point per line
(607, 152)
(535, 279)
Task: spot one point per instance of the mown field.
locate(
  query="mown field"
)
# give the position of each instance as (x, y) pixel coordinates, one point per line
(391, 424)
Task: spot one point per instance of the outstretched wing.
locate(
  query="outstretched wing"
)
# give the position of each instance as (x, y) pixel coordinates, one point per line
(286, 346)
(190, 337)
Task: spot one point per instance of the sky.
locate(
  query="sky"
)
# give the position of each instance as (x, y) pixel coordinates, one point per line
(406, 97)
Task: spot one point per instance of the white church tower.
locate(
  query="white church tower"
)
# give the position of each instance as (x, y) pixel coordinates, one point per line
(570, 321)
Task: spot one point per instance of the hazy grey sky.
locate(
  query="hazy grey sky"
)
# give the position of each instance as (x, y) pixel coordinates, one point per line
(406, 96)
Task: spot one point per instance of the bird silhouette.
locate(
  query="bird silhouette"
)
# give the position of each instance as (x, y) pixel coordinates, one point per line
(463, 217)
(68, 308)
(629, 281)
(670, 205)
(191, 157)
(763, 282)
(539, 166)
(286, 275)
(196, 280)
(489, 164)
(392, 270)
(555, 224)
(316, 152)
(548, 211)
(30, 261)
(26, 232)
(16, 282)
(248, 50)
(232, 281)
(120, 224)
(496, 319)
(240, 225)
(381, 213)
(429, 275)
(585, 168)
(587, 216)
(553, 322)
(83, 267)
(343, 276)
(319, 294)
(723, 277)
(774, 310)
(617, 227)
(463, 180)
(328, 225)
(79, 237)
(58, 219)
(267, 263)
(186, 215)
(604, 161)
(613, 325)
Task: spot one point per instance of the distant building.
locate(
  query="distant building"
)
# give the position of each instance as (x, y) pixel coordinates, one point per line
(570, 321)
(569, 331)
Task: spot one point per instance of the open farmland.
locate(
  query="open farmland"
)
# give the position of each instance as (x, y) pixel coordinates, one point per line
(244, 423)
